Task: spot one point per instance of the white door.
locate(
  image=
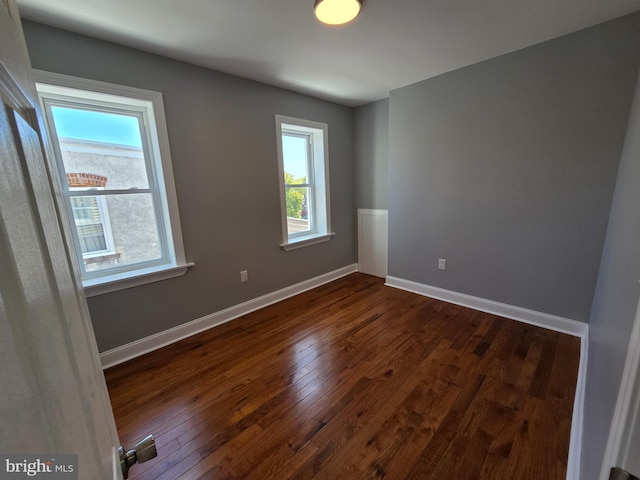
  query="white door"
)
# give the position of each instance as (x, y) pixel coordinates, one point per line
(623, 446)
(624, 439)
(53, 397)
(631, 455)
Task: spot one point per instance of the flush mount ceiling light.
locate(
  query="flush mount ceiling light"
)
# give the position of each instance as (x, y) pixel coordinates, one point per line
(337, 12)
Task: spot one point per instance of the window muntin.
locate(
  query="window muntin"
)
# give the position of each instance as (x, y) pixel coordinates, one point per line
(302, 148)
(136, 200)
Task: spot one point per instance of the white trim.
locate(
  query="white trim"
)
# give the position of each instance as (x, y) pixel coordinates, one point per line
(627, 405)
(113, 283)
(320, 204)
(544, 320)
(577, 419)
(151, 104)
(299, 242)
(58, 82)
(145, 345)
(370, 211)
(532, 317)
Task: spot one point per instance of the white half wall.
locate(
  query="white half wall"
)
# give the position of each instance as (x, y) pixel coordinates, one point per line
(373, 241)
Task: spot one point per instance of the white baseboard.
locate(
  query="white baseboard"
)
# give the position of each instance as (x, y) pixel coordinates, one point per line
(153, 342)
(577, 420)
(544, 320)
(550, 322)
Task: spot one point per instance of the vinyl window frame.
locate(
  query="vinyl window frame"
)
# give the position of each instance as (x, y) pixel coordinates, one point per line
(160, 176)
(319, 181)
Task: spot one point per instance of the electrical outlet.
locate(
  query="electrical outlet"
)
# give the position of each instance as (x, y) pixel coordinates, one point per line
(442, 264)
(244, 276)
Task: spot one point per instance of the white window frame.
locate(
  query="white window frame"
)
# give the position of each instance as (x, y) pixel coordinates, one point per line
(51, 86)
(318, 183)
(310, 183)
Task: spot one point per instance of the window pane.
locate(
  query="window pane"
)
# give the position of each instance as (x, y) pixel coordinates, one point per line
(89, 222)
(297, 199)
(295, 153)
(101, 143)
(134, 231)
(92, 239)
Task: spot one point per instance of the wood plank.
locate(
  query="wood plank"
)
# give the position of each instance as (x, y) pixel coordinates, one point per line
(354, 380)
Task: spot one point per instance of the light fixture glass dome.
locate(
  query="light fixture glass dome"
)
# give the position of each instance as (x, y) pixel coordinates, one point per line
(337, 12)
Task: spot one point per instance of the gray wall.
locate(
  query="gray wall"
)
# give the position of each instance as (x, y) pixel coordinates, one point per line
(372, 154)
(507, 168)
(615, 302)
(223, 145)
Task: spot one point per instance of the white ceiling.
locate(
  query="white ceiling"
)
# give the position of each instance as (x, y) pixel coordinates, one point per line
(391, 44)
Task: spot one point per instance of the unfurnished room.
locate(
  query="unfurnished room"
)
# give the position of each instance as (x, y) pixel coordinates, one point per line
(328, 239)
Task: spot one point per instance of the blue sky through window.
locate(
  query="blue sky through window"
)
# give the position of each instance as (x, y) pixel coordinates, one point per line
(97, 126)
(294, 155)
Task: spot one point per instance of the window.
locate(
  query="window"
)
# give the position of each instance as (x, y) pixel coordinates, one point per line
(304, 178)
(112, 156)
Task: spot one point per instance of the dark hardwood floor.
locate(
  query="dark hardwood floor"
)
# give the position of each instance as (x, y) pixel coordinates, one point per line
(354, 380)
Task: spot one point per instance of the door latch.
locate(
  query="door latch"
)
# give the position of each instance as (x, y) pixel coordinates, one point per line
(145, 450)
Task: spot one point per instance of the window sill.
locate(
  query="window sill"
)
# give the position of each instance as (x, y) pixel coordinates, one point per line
(301, 242)
(113, 283)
